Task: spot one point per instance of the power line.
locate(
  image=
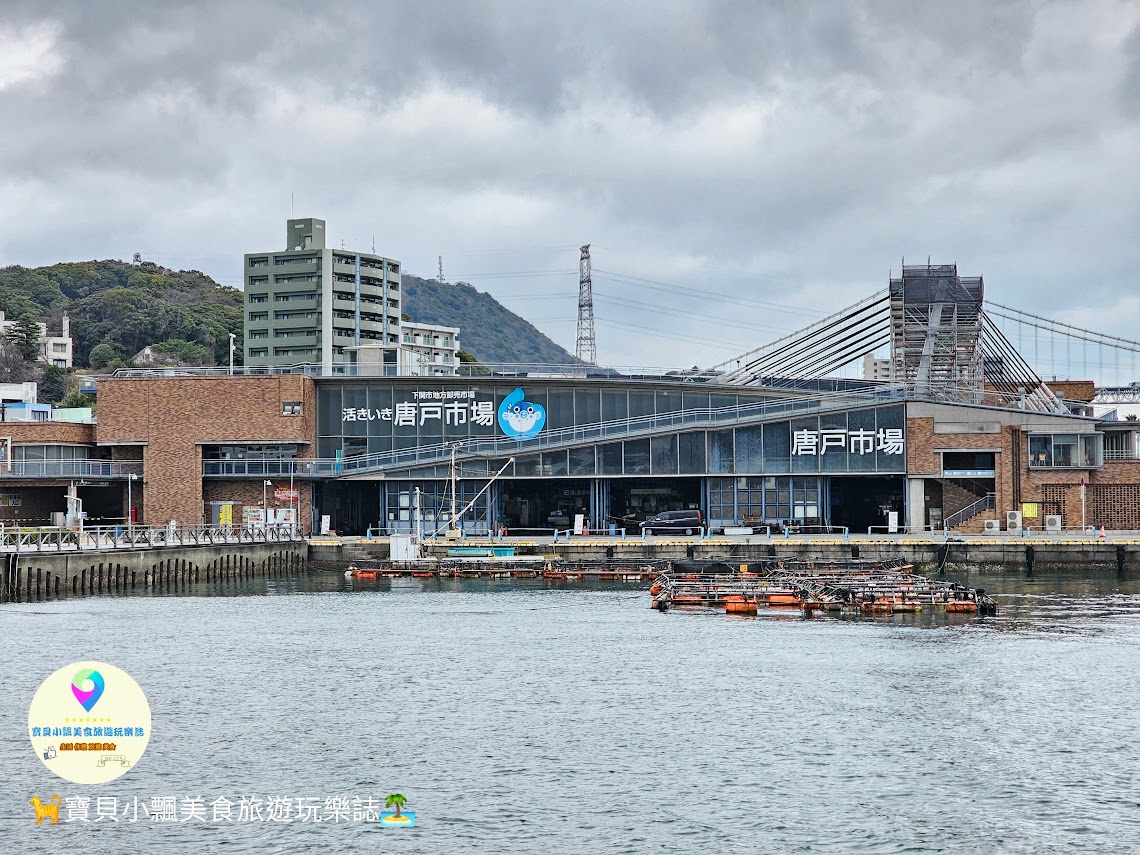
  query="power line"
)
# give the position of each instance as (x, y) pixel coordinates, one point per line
(639, 281)
(660, 333)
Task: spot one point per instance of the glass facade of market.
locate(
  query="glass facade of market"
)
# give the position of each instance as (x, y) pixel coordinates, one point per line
(666, 446)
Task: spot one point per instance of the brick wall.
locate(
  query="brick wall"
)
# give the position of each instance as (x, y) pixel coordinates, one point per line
(48, 433)
(174, 415)
(1074, 390)
(923, 459)
(248, 494)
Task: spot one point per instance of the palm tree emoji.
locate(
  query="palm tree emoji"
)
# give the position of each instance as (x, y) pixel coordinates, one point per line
(395, 800)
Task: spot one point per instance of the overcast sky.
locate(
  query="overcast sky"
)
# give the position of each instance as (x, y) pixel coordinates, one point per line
(789, 152)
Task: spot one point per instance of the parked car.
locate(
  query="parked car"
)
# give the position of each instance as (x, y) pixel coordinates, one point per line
(558, 518)
(687, 521)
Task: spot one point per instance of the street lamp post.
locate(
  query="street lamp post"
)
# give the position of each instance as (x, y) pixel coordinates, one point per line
(130, 507)
(232, 338)
(265, 485)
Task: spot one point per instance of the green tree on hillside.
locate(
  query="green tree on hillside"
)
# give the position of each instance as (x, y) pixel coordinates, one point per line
(53, 383)
(75, 398)
(25, 337)
(102, 355)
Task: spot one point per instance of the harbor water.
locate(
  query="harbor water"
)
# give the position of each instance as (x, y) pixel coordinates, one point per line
(517, 717)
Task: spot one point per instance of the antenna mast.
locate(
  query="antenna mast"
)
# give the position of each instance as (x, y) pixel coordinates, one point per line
(441, 279)
(586, 346)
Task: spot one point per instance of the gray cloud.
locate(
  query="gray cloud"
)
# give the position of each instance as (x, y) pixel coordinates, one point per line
(789, 151)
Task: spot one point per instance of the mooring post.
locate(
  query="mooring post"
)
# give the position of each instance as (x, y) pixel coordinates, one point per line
(1120, 561)
(1029, 561)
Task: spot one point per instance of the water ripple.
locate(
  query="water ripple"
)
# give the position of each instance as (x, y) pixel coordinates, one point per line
(522, 719)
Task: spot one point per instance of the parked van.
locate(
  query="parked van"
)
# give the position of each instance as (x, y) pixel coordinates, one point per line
(688, 522)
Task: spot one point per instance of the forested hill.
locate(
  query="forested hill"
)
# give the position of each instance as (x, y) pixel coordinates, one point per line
(122, 308)
(127, 307)
(488, 330)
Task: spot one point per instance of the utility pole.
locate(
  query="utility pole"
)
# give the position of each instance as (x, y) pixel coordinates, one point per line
(586, 346)
(454, 447)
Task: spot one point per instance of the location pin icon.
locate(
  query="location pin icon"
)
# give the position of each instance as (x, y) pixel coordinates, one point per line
(87, 697)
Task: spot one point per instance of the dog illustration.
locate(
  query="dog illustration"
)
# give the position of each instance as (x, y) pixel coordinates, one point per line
(48, 811)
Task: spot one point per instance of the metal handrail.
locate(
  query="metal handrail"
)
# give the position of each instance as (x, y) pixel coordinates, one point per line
(1121, 454)
(577, 435)
(71, 469)
(969, 512)
(121, 537)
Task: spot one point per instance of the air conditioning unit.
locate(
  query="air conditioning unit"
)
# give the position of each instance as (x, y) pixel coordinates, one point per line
(992, 526)
(1052, 522)
(1013, 521)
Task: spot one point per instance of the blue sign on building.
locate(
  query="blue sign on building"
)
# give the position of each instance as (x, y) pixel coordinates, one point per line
(521, 419)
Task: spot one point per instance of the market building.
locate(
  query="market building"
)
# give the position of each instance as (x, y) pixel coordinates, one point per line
(961, 436)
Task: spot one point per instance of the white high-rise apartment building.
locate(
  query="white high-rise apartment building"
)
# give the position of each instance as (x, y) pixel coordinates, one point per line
(307, 303)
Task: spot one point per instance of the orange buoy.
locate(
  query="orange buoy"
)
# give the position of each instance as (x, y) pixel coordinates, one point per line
(784, 600)
(741, 607)
(964, 606)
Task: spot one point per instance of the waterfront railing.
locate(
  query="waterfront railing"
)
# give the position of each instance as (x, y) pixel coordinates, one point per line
(129, 537)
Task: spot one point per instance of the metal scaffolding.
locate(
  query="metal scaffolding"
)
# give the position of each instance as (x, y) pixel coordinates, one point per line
(936, 325)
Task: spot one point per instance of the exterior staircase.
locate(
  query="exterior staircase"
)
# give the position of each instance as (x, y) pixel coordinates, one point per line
(970, 519)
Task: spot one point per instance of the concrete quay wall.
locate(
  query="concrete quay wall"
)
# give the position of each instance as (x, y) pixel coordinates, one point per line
(34, 575)
(926, 555)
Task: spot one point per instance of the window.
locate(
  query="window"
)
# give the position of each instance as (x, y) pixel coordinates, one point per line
(258, 298)
(263, 261)
(281, 261)
(59, 363)
(1066, 451)
(259, 316)
(59, 347)
(257, 334)
(291, 408)
(258, 352)
(258, 280)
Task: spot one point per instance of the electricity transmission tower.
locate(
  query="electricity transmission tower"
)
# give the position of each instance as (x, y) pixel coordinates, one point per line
(586, 347)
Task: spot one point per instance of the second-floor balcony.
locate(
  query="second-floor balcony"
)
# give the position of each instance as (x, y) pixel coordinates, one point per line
(70, 469)
(1121, 454)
